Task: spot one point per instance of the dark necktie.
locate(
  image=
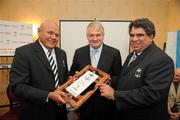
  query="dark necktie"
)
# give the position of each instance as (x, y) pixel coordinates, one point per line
(133, 58)
(54, 68)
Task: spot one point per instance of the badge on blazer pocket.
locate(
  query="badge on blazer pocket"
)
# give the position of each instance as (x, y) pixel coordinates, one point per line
(64, 65)
(138, 73)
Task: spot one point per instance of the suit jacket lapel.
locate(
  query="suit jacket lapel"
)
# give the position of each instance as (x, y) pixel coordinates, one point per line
(88, 56)
(60, 65)
(58, 59)
(135, 62)
(178, 93)
(103, 57)
(125, 67)
(41, 55)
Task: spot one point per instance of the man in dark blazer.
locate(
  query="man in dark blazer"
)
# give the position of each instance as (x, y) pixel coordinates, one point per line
(144, 83)
(108, 59)
(32, 78)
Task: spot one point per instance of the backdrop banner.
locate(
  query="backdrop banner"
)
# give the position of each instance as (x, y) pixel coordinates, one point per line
(13, 35)
(178, 50)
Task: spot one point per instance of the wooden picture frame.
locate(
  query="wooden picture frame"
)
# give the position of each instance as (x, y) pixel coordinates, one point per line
(77, 101)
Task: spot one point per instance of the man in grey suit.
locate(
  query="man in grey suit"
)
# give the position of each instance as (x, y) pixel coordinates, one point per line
(142, 90)
(107, 59)
(33, 80)
(174, 97)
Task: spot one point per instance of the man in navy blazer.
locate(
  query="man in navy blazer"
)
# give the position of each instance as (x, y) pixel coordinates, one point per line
(142, 90)
(32, 78)
(108, 59)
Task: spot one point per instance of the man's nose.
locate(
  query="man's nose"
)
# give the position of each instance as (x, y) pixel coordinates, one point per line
(53, 36)
(95, 37)
(134, 38)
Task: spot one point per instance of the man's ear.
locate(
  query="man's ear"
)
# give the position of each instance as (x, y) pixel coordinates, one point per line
(152, 36)
(38, 30)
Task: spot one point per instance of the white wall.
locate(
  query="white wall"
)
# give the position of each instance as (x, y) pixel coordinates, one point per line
(73, 36)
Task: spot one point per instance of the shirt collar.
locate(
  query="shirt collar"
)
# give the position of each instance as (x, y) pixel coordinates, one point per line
(139, 53)
(44, 48)
(99, 49)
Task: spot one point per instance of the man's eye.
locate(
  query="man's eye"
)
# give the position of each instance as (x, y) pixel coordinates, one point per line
(140, 35)
(50, 32)
(91, 35)
(98, 35)
(57, 35)
(131, 35)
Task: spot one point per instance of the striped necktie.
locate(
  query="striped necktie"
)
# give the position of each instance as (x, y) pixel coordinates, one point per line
(133, 58)
(54, 68)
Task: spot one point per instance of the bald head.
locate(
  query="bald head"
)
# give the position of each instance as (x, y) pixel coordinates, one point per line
(47, 23)
(49, 34)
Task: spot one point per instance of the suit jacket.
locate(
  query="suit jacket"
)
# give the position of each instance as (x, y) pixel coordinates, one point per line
(174, 97)
(98, 108)
(31, 79)
(143, 86)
